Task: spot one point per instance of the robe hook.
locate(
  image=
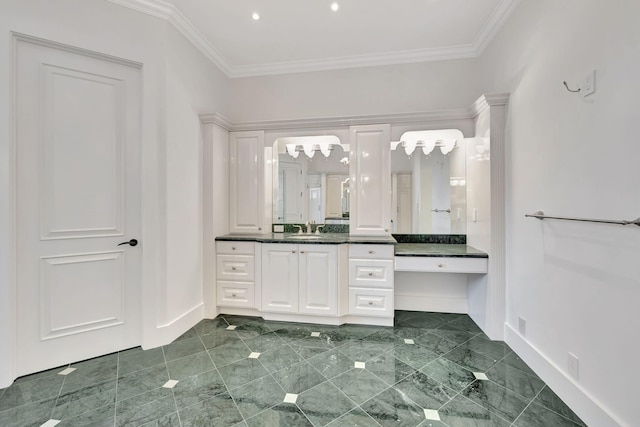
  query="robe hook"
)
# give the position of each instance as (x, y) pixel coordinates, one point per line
(570, 90)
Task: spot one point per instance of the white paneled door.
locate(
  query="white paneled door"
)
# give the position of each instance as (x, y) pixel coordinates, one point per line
(77, 116)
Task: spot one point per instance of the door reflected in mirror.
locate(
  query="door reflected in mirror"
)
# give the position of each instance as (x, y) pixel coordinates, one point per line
(313, 180)
(428, 182)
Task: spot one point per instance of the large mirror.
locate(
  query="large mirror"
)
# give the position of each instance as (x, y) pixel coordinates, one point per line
(312, 180)
(428, 180)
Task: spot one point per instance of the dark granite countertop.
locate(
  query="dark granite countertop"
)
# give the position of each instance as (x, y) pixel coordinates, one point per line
(322, 238)
(438, 250)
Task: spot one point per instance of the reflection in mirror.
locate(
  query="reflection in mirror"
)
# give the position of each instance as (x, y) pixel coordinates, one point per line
(313, 180)
(428, 183)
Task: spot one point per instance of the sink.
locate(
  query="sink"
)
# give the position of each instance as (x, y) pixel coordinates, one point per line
(304, 237)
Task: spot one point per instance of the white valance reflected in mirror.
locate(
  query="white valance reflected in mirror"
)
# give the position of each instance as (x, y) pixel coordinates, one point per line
(428, 181)
(312, 180)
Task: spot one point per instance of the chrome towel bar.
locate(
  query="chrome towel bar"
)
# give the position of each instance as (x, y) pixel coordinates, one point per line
(541, 215)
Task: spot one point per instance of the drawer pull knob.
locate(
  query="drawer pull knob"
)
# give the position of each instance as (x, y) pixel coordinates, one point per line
(233, 295)
(372, 252)
(259, 228)
(233, 248)
(440, 265)
(293, 252)
(371, 273)
(370, 302)
(233, 268)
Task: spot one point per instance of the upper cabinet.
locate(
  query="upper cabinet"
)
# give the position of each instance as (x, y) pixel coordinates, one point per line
(246, 182)
(370, 172)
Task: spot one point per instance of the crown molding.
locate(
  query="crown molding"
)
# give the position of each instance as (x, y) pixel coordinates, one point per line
(168, 12)
(488, 100)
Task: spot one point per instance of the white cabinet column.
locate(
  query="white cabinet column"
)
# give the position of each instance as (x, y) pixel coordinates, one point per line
(370, 171)
(247, 210)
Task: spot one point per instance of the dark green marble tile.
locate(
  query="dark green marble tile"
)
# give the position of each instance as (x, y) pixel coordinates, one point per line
(426, 392)
(448, 373)
(279, 358)
(257, 396)
(283, 415)
(145, 407)
(391, 408)
(432, 423)
(99, 417)
(136, 358)
(171, 420)
(461, 324)
(218, 338)
(435, 343)
(408, 332)
(495, 350)
(190, 365)
(496, 399)
(549, 399)
(197, 388)
(92, 371)
(21, 393)
(470, 360)
(142, 381)
(265, 342)
(388, 368)
(455, 335)
(414, 355)
(229, 353)
(515, 380)
(324, 403)
(191, 333)
(513, 360)
(41, 374)
(298, 378)
(386, 336)
(242, 372)
(291, 331)
(359, 331)
(461, 412)
(251, 329)
(361, 350)
(355, 418)
(233, 319)
(311, 346)
(331, 363)
(447, 239)
(359, 385)
(29, 414)
(539, 416)
(401, 315)
(84, 400)
(424, 321)
(208, 326)
(217, 411)
(183, 348)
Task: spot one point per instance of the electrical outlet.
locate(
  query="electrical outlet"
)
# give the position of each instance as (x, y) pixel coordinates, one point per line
(522, 326)
(574, 369)
(588, 85)
(474, 214)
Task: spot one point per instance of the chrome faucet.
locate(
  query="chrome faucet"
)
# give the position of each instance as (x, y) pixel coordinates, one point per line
(318, 228)
(299, 228)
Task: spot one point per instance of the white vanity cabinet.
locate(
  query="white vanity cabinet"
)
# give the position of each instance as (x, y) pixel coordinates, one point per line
(300, 279)
(370, 172)
(246, 182)
(371, 280)
(236, 274)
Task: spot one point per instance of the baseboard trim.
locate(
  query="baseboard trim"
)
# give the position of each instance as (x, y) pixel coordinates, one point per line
(431, 303)
(166, 333)
(592, 412)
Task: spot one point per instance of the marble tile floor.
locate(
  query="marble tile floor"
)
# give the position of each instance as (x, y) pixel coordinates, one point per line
(429, 370)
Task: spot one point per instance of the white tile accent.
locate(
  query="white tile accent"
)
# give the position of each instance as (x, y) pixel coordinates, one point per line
(409, 341)
(66, 372)
(359, 365)
(315, 334)
(170, 384)
(231, 327)
(480, 376)
(290, 398)
(431, 414)
(50, 423)
(254, 355)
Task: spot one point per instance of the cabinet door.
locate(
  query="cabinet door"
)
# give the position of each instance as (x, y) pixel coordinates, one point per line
(280, 278)
(318, 279)
(370, 180)
(246, 182)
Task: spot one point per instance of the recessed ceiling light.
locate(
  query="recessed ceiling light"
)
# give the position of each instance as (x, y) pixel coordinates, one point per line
(335, 6)
(255, 16)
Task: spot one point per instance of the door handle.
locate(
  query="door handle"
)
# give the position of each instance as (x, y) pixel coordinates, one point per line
(132, 242)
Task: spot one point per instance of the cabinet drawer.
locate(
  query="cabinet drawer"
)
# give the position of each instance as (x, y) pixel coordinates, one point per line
(442, 264)
(371, 302)
(371, 273)
(371, 251)
(234, 294)
(235, 267)
(240, 248)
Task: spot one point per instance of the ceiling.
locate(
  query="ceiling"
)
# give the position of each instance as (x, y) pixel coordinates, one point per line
(306, 35)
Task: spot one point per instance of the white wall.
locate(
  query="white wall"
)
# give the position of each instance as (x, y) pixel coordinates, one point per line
(576, 284)
(392, 89)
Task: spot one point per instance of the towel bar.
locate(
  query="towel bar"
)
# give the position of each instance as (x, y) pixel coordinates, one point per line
(541, 215)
